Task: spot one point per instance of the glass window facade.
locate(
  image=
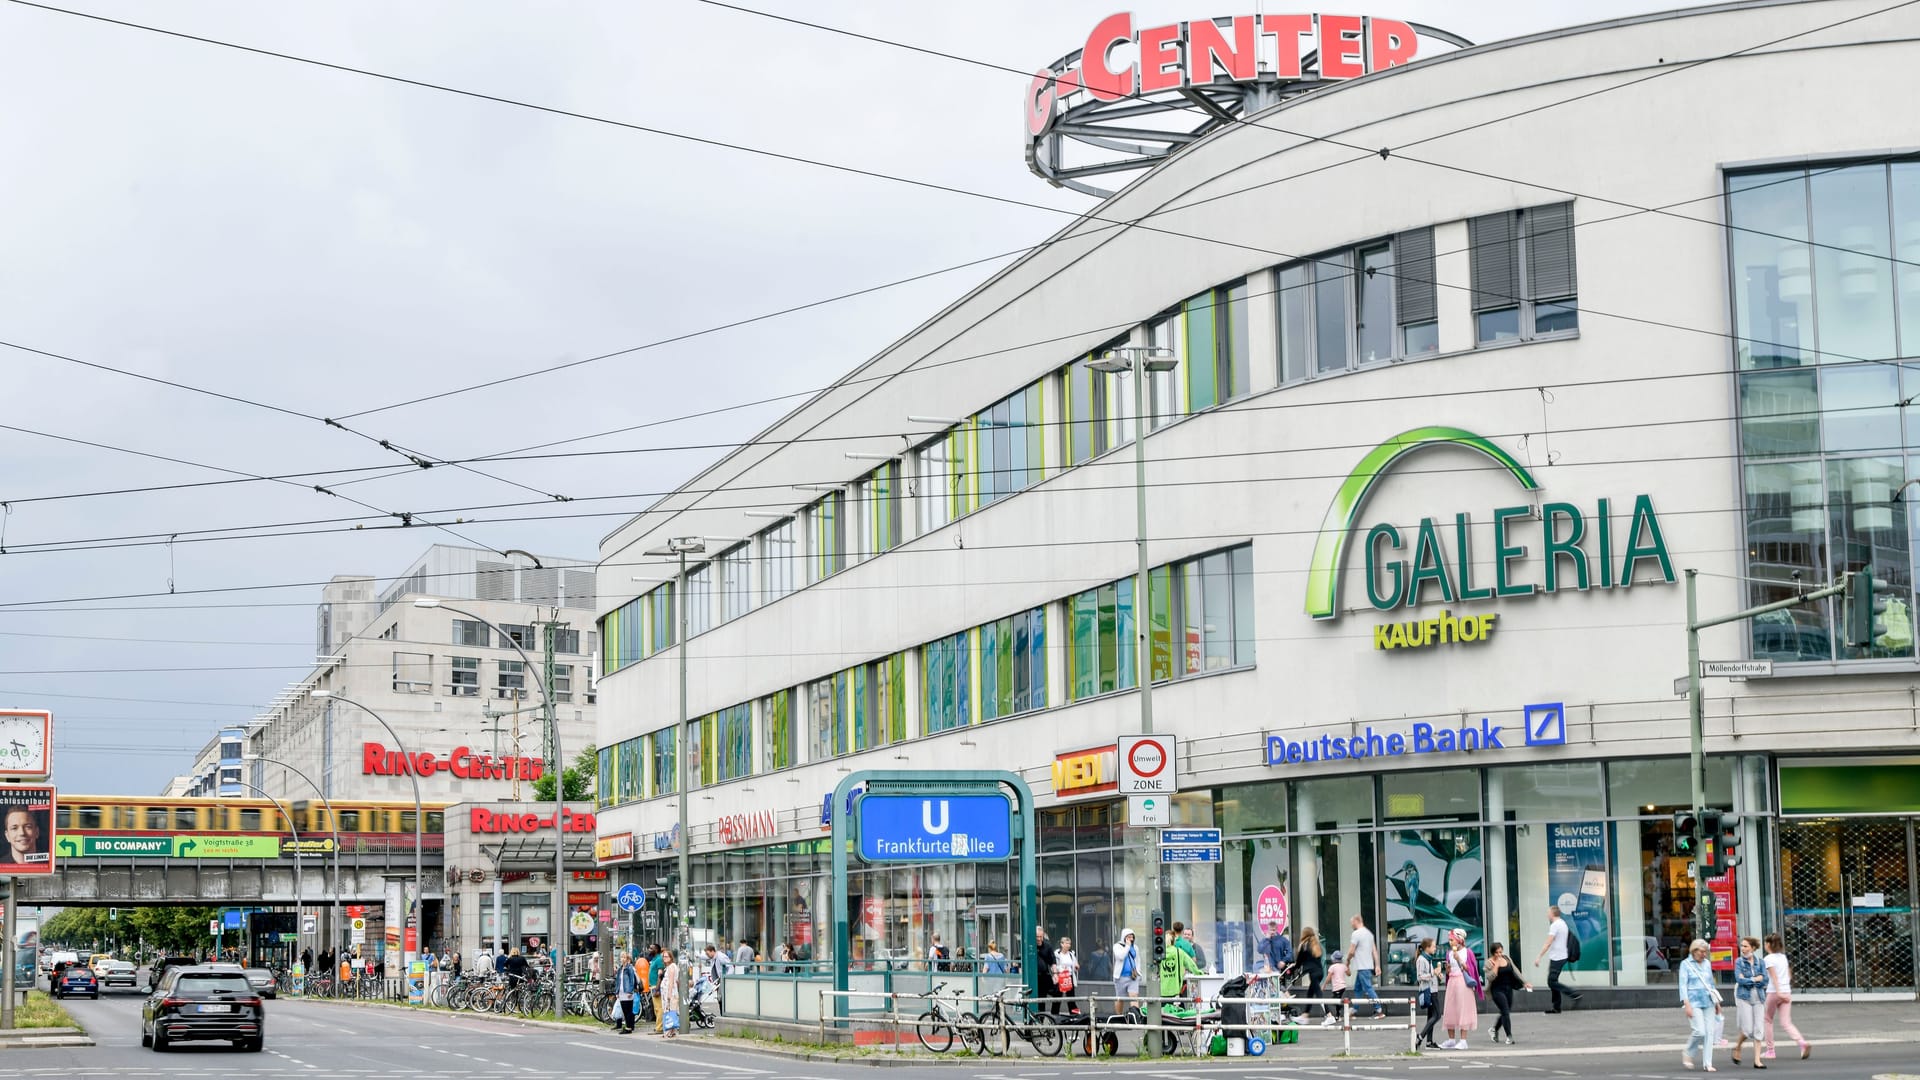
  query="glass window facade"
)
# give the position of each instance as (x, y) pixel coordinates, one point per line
(946, 683)
(1217, 347)
(699, 599)
(779, 550)
(1820, 312)
(885, 496)
(1009, 440)
(828, 519)
(1523, 273)
(734, 578)
(1013, 665)
(880, 702)
(780, 747)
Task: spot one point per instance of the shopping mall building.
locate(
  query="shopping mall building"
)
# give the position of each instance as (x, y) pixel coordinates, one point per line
(1449, 424)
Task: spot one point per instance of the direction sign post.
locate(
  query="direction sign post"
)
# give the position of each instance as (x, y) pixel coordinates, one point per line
(1189, 854)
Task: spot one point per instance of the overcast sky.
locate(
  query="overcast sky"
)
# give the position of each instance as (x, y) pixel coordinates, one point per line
(327, 243)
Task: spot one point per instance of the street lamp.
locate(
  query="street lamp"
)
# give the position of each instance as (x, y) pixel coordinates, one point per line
(334, 923)
(681, 547)
(298, 890)
(559, 925)
(419, 826)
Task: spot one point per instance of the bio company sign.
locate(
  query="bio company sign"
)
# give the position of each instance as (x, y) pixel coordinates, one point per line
(1538, 548)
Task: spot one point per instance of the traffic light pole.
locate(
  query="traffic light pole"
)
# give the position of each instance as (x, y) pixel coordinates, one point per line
(1697, 761)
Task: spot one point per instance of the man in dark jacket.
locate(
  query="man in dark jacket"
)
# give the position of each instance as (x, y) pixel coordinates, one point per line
(1044, 986)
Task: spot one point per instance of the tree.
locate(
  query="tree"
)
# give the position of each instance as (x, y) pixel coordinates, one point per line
(580, 777)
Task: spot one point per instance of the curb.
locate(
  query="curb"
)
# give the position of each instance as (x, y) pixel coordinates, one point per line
(35, 1038)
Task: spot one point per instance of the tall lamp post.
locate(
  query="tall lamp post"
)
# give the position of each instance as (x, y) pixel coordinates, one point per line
(419, 827)
(298, 891)
(1141, 359)
(681, 547)
(559, 924)
(333, 818)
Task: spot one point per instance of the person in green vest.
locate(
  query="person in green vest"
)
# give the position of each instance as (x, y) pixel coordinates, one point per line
(1174, 969)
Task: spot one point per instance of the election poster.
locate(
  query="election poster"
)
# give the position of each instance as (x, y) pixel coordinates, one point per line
(26, 831)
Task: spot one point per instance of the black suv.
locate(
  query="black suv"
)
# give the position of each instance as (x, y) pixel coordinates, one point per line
(204, 1003)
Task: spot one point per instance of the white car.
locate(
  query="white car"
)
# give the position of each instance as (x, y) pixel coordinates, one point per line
(116, 973)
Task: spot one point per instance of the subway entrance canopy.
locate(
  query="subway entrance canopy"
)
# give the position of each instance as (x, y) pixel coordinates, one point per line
(1133, 95)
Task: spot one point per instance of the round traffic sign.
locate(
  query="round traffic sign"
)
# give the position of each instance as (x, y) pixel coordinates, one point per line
(631, 897)
(1146, 758)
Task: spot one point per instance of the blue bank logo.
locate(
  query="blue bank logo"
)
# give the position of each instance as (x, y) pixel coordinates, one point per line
(1546, 724)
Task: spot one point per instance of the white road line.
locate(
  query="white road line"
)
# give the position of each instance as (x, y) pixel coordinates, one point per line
(675, 1060)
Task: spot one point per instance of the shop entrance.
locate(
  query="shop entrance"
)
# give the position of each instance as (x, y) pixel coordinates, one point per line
(1848, 888)
(990, 925)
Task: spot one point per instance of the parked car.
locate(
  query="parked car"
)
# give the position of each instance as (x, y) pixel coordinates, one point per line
(117, 973)
(76, 981)
(262, 980)
(203, 1003)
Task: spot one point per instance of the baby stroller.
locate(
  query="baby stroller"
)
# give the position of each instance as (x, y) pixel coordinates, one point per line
(703, 1010)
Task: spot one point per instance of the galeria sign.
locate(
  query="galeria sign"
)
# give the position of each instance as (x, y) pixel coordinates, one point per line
(1230, 49)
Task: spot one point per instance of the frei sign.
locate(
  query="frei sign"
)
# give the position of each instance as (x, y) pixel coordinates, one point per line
(1557, 547)
(462, 762)
(1120, 59)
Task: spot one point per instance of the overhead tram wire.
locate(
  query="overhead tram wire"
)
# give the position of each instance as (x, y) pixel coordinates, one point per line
(1370, 153)
(247, 532)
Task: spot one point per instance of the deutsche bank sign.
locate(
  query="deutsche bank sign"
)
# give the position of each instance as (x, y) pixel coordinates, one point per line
(1544, 725)
(934, 828)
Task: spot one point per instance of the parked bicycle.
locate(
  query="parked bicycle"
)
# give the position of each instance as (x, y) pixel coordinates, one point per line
(935, 1027)
(1012, 1015)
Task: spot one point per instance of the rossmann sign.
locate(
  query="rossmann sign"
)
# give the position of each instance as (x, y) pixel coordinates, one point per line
(462, 762)
(1121, 60)
(1537, 547)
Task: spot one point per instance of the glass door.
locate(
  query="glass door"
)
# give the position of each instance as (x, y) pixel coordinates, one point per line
(989, 927)
(1848, 891)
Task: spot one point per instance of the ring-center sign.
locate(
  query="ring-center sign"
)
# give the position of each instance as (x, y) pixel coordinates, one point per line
(934, 828)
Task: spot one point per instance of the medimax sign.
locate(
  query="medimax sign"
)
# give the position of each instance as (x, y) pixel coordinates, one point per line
(1535, 549)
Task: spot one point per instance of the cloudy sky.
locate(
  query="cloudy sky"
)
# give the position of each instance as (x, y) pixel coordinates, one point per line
(326, 243)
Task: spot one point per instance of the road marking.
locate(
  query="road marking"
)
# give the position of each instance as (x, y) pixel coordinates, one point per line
(295, 1060)
(675, 1060)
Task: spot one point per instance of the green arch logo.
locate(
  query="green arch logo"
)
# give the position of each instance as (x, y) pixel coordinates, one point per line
(1323, 576)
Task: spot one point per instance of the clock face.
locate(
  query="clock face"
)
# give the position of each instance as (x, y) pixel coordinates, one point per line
(23, 743)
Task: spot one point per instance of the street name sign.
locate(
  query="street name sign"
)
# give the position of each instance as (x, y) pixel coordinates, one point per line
(935, 828)
(1752, 669)
(1182, 837)
(1189, 854)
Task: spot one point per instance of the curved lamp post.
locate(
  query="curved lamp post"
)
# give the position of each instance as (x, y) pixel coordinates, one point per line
(419, 825)
(331, 817)
(297, 890)
(559, 924)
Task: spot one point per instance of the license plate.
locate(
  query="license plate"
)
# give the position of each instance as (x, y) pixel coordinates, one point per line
(214, 1008)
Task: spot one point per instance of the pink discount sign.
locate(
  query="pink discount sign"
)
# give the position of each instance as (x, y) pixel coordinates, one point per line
(1271, 909)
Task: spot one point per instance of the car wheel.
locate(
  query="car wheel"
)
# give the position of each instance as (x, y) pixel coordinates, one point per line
(145, 1039)
(159, 1042)
(251, 1046)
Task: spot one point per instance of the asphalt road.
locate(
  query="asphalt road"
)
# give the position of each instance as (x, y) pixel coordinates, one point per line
(317, 1041)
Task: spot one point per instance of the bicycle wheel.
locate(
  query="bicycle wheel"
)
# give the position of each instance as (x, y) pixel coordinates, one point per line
(1043, 1031)
(996, 1036)
(934, 1032)
(971, 1038)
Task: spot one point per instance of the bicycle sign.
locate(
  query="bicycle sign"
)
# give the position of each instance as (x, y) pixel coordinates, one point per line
(631, 897)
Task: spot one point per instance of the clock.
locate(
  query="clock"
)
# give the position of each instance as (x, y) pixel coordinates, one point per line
(26, 738)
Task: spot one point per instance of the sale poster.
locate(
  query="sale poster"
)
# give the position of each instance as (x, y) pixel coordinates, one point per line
(1726, 940)
(1577, 884)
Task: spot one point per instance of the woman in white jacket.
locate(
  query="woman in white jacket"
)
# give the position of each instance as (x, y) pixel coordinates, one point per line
(1126, 970)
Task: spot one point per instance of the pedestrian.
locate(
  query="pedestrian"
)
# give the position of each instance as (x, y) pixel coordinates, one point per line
(743, 955)
(1750, 999)
(1193, 947)
(1336, 988)
(1503, 978)
(500, 962)
(1702, 1003)
(937, 955)
(1126, 970)
(306, 959)
(1463, 990)
(1311, 963)
(1175, 966)
(1554, 952)
(1066, 972)
(670, 996)
(656, 972)
(1779, 1007)
(625, 984)
(1362, 960)
(1426, 981)
(1276, 952)
(646, 1005)
(993, 961)
(1044, 988)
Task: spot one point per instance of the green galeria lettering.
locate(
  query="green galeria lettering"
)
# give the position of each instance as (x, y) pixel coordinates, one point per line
(1553, 550)
(1504, 553)
(1429, 564)
(1604, 515)
(1655, 548)
(1396, 571)
(1462, 532)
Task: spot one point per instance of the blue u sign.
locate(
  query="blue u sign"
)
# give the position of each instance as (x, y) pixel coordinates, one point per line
(934, 828)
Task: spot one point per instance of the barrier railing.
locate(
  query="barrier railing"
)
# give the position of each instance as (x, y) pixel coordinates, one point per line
(940, 1019)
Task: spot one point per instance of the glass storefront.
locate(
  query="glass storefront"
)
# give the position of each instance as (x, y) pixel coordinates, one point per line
(1416, 854)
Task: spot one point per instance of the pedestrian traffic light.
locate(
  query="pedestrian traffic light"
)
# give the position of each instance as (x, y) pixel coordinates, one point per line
(1159, 937)
(1686, 834)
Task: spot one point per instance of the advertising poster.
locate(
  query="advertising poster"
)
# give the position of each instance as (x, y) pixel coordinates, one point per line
(26, 947)
(26, 831)
(1726, 940)
(1435, 882)
(1577, 884)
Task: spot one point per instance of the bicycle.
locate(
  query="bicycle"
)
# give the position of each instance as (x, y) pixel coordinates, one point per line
(935, 1027)
(997, 1028)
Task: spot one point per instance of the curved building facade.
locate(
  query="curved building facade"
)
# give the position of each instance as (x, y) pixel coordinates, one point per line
(1446, 428)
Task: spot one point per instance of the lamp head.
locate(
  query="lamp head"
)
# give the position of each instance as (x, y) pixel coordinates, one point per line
(425, 602)
(320, 693)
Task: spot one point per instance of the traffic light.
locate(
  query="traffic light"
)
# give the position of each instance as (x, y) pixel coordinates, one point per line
(1729, 841)
(1859, 614)
(1159, 937)
(1686, 834)
(1708, 856)
(1875, 617)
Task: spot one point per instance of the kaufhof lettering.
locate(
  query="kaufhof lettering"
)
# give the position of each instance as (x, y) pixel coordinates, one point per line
(1444, 630)
(1423, 739)
(461, 761)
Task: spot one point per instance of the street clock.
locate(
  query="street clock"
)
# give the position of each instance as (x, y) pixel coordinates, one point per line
(26, 738)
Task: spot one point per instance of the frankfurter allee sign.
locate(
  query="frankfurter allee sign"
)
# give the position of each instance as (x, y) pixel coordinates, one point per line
(1553, 547)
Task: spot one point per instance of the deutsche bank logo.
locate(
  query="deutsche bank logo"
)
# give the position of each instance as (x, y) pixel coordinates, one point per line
(1546, 724)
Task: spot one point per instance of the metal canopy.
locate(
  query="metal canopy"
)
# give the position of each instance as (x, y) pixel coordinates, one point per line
(535, 853)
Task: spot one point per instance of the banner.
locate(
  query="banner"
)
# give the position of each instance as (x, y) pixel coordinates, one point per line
(1726, 940)
(26, 831)
(1577, 884)
(1435, 883)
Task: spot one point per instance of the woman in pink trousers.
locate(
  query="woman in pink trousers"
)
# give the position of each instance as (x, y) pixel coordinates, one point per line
(1779, 1009)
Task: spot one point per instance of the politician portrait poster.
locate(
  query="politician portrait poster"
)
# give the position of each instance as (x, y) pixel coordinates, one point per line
(26, 831)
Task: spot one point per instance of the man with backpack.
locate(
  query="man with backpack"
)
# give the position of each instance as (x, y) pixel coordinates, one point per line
(1561, 949)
